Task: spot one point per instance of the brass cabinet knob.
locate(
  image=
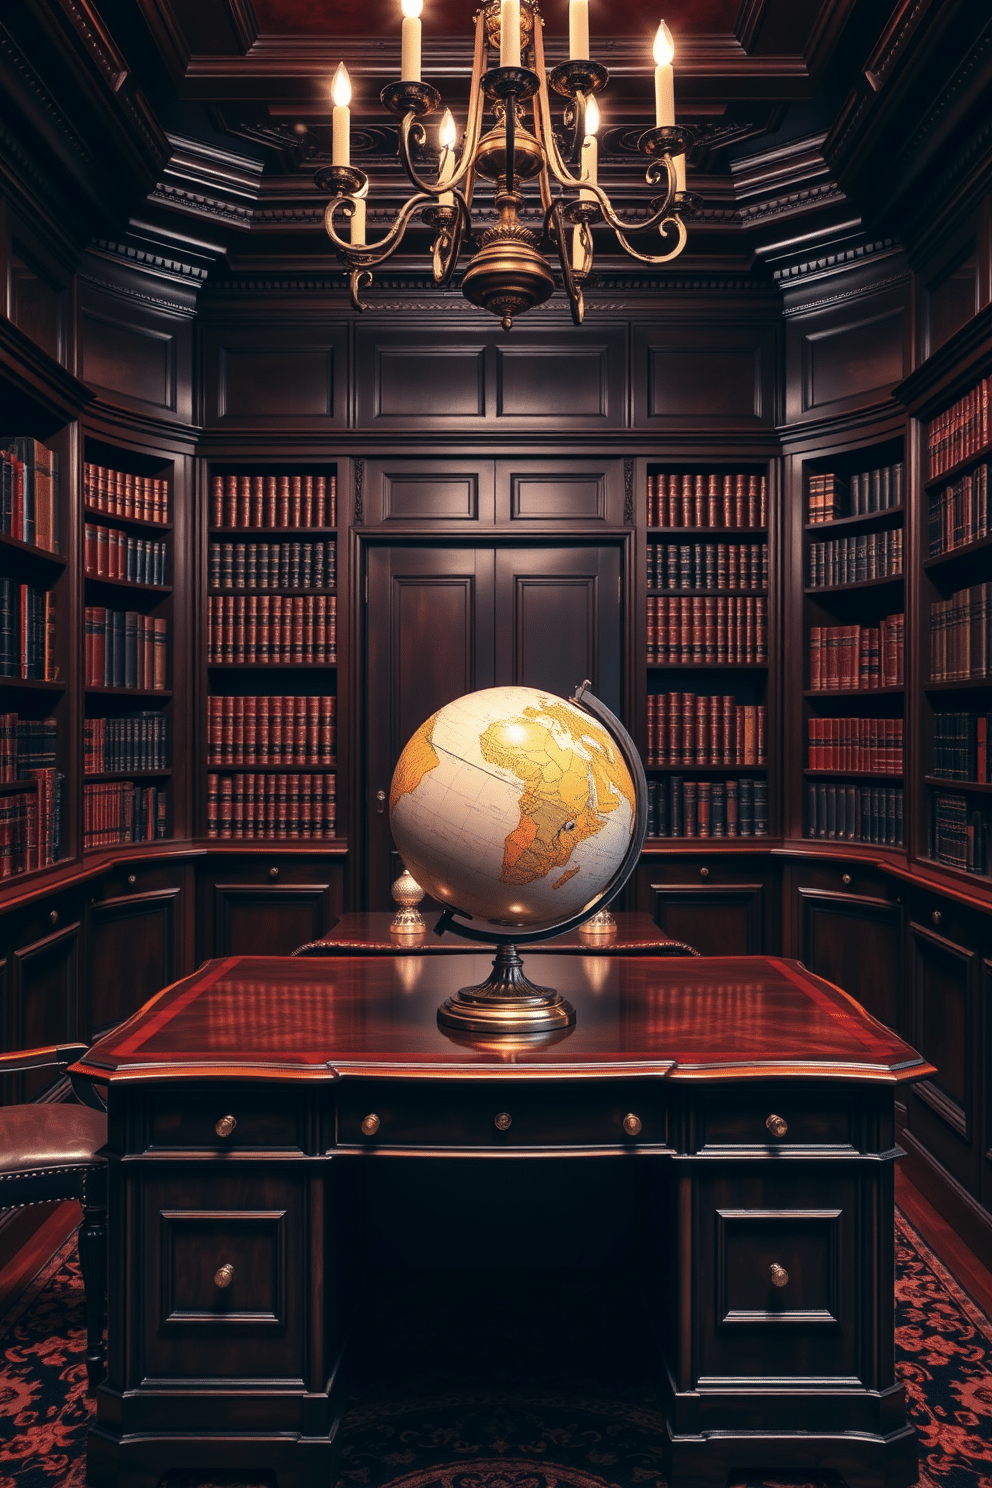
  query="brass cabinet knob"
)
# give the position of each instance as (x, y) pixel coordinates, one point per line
(777, 1125)
(778, 1275)
(632, 1124)
(225, 1126)
(704, 873)
(936, 917)
(503, 1121)
(132, 879)
(273, 872)
(53, 916)
(845, 879)
(224, 1275)
(370, 1124)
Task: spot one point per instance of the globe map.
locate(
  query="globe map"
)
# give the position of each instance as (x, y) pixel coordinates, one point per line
(513, 806)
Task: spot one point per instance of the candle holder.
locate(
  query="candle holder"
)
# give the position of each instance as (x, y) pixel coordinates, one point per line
(410, 98)
(578, 76)
(669, 139)
(582, 211)
(688, 204)
(341, 180)
(518, 83)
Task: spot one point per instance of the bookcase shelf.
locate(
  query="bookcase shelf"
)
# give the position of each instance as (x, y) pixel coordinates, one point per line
(31, 551)
(288, 534)
(291, 593)
(813, 591)
(154, 693)
(107, 775)
(712, 533)
(934, 482)
(31, 684)
(858, 694)
(714, 593)
(137, 524)
(854, 774)
(970, 787)
(959, 557)
(272, 666)
(158, 591)
(890, 516)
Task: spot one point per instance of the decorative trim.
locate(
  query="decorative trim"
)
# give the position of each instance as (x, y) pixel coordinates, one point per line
(804, 307)
(975, 58)
(359, 477)
(107, 286)
(628, 491)
(58, 116)
(883, 58)
(794, 201)
(155, 262)
(833, 260)
(201, 206)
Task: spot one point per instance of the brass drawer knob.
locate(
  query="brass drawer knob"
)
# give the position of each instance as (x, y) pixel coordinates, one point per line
(632, 1124)
(273, 873)
(132, 879)
(53, 916)
(845, 879)
(704, 873)
(224, 1275)
(936, 917)
(503, 1121)
(225, 1126)
(777, 1125)
(778, 1274)
(370, 1124)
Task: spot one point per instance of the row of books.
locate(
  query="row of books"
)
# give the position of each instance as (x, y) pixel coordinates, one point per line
(118, 493)
(960, 640)
(26, 744)
(714, 500)
(831, 497)
(131, 741)
(277, 806)
(273, 501)
(112, 554)
(123, 649)
(846, 658)
(959, 833)
(959, 514)
(707, 629)
(686, 728)
(271, 730)
(262, 629)
(707, 566)
(116, 811)
(29, 492)
(960, 431)
(868, 745)
(855, 560)
(281, 565)
(855, 813)
(27, 632)
(30, 824)
(961, 746)
(707, 808)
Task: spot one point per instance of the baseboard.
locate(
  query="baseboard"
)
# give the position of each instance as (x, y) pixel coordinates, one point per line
(962, 1211)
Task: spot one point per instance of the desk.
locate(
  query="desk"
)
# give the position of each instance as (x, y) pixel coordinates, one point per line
(366, 933)
(748, 1103)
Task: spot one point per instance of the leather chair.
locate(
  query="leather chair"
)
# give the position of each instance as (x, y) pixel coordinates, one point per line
(52, 1150)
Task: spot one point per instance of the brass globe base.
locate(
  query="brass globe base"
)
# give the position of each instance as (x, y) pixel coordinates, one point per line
(506, 1002)
(602, 927)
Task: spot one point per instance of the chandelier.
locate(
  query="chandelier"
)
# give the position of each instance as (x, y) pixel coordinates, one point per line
(508, 274)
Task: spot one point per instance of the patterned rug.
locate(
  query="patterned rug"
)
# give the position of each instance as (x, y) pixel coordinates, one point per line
(519, 1416)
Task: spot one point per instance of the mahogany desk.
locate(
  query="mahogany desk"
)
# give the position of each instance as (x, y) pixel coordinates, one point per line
(748, 1103)
(366, 933)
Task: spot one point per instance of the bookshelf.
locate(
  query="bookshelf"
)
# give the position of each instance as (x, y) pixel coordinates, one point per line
(270, 653)
(853, 564)
(707, 733)
(128, 563)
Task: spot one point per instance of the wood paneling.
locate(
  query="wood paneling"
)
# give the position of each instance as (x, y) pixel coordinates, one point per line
(286, 375)
(37, 305)
(701, 378)
(941, 1111)
(138, 361)
(44, 987)
(579, 493)
(553, 381)
(268, 920)
(428, 490)
(430, 381)
(860, 357)
(130, 955)
(856, 942)
(715, 919)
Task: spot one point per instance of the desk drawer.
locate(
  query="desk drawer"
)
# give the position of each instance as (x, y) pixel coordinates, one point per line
(479, 1114)
(235, 1118)
(780, 1118)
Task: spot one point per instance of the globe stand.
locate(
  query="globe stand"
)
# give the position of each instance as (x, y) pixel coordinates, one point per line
(506, 1002)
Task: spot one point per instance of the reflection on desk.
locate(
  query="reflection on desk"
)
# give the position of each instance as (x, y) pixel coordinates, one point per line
(367, 934)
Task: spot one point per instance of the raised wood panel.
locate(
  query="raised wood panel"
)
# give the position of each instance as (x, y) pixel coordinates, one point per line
(575, 492)
(986, 1181)
(845, 361)
(268, 920)
(715, 919)
(552, 382)
(37, 305)
(44, 989)
(275, 382)
(418, 382)
(136, 361)
(941, 1111)
(699, 378)
(130, 955)
(855, 942)
(428, 490)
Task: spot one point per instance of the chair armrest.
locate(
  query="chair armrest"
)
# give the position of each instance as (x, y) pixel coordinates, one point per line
(59, 1055)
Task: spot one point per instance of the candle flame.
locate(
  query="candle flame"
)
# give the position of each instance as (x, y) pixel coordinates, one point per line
(341, 87)
(412, 8)
(447, 132)
(592, 116)
(664, 46)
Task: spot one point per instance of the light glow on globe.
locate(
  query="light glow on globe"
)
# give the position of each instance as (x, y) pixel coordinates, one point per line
(514, 806)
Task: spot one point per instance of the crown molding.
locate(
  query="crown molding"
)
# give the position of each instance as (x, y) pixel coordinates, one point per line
(205, 181)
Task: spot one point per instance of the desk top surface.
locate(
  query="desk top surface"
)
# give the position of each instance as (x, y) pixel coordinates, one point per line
(700, 1019)
(363, 932)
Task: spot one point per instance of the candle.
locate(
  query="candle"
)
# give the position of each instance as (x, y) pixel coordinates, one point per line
(578, 252)
(358, 223)
(410, 64)
(341, 138)
(509, 33)
(446, 139)
(664, 81)
(578, 29)
(679, 163)
(590, 148)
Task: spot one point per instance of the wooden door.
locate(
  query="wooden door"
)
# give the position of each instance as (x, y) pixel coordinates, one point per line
(446, 620)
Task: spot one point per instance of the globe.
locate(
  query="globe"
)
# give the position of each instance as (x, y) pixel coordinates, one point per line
(517, 808)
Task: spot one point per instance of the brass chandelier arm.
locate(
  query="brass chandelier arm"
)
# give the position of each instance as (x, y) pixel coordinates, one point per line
(447, 243)
(371, 255)
(554, 226)
(663, 219)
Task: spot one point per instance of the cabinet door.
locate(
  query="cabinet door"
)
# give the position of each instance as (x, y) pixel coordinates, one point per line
(855, 941)
(131, 952)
